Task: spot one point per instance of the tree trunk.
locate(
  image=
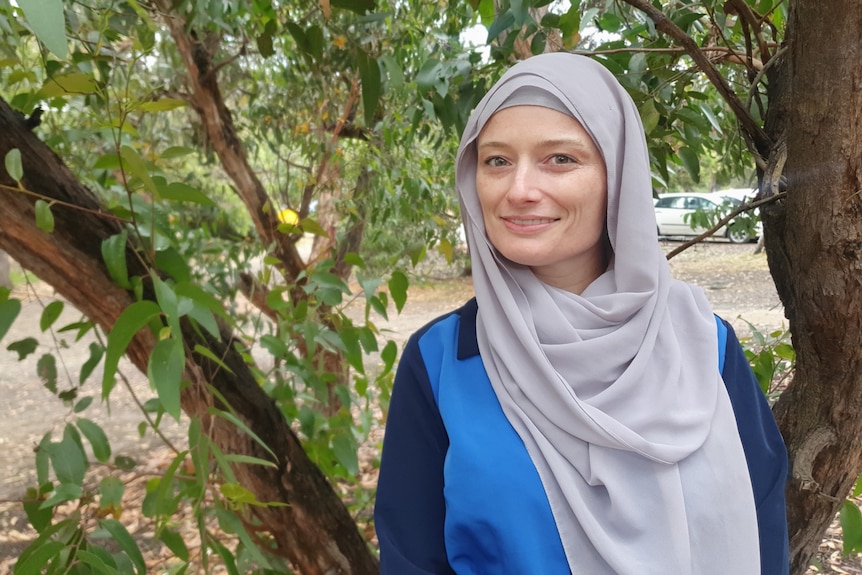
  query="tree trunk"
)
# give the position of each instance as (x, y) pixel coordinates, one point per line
(814, 247)
(314, 530)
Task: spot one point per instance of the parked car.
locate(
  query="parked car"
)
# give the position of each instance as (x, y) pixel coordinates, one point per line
(674, 215)
(741, 194)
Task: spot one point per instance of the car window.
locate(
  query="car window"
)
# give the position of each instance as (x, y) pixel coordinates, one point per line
(674, 202)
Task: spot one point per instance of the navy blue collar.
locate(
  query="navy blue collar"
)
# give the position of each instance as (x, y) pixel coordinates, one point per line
(468, 345)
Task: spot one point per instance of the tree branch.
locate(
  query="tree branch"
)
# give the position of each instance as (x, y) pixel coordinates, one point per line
(712, 231)
(757, 135)
(755, 22)
(207, 101)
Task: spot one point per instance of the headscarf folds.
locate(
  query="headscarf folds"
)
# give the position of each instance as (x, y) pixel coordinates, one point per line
(615, 392)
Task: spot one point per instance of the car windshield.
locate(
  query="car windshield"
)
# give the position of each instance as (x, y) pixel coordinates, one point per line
(732, 201)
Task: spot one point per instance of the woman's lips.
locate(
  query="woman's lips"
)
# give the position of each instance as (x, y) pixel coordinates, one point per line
(528, 224)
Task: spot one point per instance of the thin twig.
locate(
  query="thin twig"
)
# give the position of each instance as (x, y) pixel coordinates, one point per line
(154, 427)
(711, 232)
(53, 201)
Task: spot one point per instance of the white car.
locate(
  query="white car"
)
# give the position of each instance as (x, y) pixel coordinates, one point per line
(673, 216)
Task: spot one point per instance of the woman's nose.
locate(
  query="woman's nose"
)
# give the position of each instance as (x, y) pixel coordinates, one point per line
(524, 186)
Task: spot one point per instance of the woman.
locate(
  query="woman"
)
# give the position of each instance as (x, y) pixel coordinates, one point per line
(586, 413)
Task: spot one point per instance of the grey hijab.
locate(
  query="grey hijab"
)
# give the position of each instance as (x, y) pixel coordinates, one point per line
(615, 392)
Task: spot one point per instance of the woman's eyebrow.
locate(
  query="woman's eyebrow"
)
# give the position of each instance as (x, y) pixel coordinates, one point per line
(549, 143)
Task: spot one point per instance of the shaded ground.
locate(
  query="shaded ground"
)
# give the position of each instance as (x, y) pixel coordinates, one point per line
(736, 282)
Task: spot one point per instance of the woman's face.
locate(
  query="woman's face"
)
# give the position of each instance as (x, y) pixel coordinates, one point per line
(542, 184)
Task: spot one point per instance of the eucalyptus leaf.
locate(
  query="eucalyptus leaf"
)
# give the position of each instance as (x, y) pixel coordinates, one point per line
(132, 319)
(165, 370)
(48, 22)
(13, 164)
(44, 217)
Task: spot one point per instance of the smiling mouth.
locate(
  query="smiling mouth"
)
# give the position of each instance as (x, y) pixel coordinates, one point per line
(530, 221)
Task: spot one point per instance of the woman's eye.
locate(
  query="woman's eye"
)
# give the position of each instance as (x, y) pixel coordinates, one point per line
(495, 161)
(561, 159)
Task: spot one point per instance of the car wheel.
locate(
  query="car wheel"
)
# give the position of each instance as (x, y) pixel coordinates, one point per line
(738, 235)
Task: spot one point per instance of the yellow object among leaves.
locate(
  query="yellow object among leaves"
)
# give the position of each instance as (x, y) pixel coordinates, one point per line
(288, 216)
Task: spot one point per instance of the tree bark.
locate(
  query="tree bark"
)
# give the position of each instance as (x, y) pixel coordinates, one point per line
(314, 530)
(814, 247)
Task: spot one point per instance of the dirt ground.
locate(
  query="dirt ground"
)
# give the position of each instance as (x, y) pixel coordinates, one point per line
(736, 281)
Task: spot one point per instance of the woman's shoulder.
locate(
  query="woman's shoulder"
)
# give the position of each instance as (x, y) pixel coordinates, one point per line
(464, 317)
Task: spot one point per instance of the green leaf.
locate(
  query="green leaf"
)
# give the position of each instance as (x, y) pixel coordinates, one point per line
(205, 318)
(503, 22)
(358, 6)
(97, 438)
(63, 85)
(398, 284)
(36, 560)
(46, 368)
(61, 494)
(388, 355)
(107, 162)
(428, 75)
(39, 518)
(13, 164)
(50, 314)
(180, 192)
(111, 491)
(134, 164)
(176, 152)
(265, 44)
(707, 111)
(537, 44)
(127, 325)
(243, 427)
(237, 494)
(96, 353)
(165, 371)
(9, 310)
(114, 255)
(168, 302)
(685, 19)
(249, 460)
(67, 459)
(851, 527)
(369, 72)
(83, 404)
(99, 562)
(310, 225)
(48, 22)
(174, 542)
(225, 554)
(690, 162)
(125, 463)
(650, 116)
(344, 448)
(212, 357)
(44, 217)
(43, 459)
(126, 543)
(174, 264)
(23, 347)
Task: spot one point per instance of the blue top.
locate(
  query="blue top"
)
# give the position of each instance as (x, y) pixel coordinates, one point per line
(458, 492)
